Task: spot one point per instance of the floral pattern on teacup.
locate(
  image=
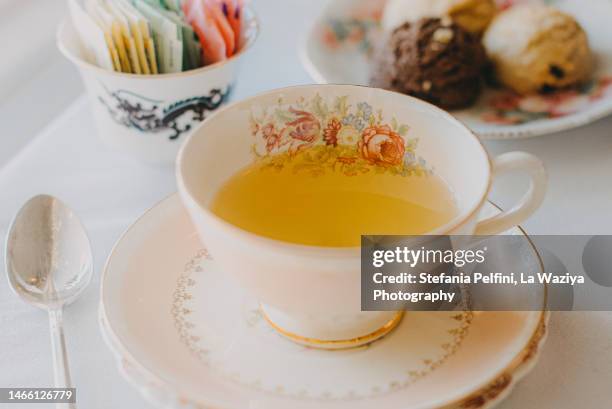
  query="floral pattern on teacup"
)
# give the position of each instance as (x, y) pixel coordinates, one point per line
(318, 135)
(381, 145)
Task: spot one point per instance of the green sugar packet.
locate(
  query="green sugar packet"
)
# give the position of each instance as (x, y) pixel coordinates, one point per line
(167, 35)
(158, 4)
(174, 5)
(192, 51)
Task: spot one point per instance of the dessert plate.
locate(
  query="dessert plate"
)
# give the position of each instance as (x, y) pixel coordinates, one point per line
(188, 337)
(339, 46)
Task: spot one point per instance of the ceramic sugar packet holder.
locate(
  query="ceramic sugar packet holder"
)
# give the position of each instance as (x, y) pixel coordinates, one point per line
(312, 294)
(149, 116)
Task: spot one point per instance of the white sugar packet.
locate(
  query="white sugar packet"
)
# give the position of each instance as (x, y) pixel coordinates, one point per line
(93, 40)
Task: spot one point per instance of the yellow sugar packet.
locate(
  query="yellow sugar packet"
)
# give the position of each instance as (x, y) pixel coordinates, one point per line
(149, 43)
(152, 56)
(112, 27)
(138, 26)
(109, 42)
(167, 36)
(136, 69)
(118, 39)
(114, 53)
(129, 42)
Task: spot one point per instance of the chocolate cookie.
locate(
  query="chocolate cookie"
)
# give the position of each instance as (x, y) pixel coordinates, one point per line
(432, 59)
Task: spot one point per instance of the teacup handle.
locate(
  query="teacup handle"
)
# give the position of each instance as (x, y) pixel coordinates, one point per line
(534, 168)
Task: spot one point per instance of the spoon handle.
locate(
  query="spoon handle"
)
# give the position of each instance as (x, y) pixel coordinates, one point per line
(61, 370)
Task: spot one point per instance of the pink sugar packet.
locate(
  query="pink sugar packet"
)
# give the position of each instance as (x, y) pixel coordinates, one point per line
(233, 12)
(199, 16)
(215, 8)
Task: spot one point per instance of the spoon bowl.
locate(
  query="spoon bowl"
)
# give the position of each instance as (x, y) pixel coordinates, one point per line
(48, 255)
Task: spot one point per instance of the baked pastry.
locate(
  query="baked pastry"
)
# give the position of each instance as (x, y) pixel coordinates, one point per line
(537, 48)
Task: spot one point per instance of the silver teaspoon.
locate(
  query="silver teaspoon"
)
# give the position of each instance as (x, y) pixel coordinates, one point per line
(49, 264)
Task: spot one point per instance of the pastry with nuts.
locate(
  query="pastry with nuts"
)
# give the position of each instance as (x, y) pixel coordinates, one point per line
(433, 59)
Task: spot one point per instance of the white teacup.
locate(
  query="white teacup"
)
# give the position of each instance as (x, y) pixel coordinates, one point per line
(148, 116)
(312, 294)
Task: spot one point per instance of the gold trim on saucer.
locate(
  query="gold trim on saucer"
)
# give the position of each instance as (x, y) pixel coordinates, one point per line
(503, 383)
(333, 344)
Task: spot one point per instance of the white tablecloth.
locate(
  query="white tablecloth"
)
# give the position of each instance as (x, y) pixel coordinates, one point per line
(109, 192)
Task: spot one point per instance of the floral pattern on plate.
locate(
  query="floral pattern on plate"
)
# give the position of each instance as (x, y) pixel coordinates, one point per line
(508, 108)
(359, 30)
(316, 136)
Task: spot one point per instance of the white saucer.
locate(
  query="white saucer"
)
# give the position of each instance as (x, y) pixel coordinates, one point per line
(338, 47)
(186, 336)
